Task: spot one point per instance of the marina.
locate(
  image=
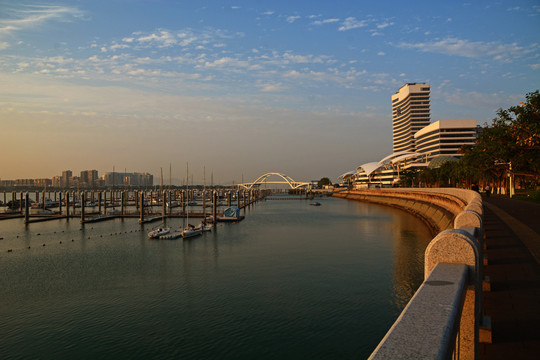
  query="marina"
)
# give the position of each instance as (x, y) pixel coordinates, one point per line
(93, 206)
(280, 284)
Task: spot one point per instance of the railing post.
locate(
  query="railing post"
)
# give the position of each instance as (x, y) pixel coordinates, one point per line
(459, 246)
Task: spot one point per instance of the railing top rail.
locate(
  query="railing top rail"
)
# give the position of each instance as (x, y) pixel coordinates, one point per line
(432, 317)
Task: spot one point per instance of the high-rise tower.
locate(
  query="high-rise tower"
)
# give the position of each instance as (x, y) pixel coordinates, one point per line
(410, 113)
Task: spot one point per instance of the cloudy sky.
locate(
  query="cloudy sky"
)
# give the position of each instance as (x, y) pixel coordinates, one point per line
(243, 88)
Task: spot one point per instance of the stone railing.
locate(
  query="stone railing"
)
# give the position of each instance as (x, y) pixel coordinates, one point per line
(444, 317)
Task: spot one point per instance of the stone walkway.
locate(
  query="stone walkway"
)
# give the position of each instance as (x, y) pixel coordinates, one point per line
(513, 249)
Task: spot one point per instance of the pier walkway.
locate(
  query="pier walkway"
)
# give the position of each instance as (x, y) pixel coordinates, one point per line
(513, 248)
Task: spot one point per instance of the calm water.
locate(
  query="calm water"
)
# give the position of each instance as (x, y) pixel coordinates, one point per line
(292, 281)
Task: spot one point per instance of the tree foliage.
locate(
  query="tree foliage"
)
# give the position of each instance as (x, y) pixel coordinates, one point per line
(510, 143)
(324, 181)
(513, 138)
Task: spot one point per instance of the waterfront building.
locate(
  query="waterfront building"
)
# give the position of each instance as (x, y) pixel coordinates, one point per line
(445, 138)
(417, 143)
(67, 178)
(127, 179)
(383, 173)
(7, 183)
(24, 182)
(42, 182)
(89, 178)
(410, 113)
(57, 181)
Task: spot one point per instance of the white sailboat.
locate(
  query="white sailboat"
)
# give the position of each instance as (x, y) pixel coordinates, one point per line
(189, 230)
(203, 225)
(160, 231)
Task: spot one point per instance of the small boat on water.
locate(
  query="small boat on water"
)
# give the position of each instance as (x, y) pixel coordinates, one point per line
(231, 214)
(48, 204)
(160, 231)
(191, 231)
(315, 204)
(204, 226)
(172, 236)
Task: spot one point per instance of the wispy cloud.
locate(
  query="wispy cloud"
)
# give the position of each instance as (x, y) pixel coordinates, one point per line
(162, 39)
(352, 23)
(271, 87)
(477, 99)
(384, 25)
(31, 16)
(291, 19)
(470, 49)
(325, 21)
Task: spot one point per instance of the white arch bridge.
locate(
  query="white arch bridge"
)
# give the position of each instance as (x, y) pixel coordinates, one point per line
(286, 180)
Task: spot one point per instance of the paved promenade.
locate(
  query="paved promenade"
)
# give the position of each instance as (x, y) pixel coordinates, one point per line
(513, 249)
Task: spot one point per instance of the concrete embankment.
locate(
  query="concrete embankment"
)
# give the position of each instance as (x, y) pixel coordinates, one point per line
(444, 318)
(436, 207)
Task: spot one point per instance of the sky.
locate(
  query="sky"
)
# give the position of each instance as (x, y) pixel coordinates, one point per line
(242, 88)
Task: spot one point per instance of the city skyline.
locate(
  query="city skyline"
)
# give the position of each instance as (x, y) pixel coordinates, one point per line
(242, 88)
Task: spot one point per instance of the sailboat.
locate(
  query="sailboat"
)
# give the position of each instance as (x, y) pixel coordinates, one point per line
(203, 225)
(189, 230)
(160, 231)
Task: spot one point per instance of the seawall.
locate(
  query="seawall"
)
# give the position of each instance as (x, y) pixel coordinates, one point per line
(436, 207)
(444, 319)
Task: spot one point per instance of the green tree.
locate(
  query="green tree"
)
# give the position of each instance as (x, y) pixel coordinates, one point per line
(409, 177)
(513, 138)
(323, 182)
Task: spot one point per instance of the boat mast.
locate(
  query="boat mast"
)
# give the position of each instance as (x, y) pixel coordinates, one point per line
(161, 181)
(204, 194)
(187, 193)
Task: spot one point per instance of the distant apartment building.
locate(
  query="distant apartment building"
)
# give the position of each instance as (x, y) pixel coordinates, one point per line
(24, 182)
(67, 176)
(445, 138)
(7, 183)
(410, 113)
(42, 183)
(89, 178)
(128, 179)
(57, 181)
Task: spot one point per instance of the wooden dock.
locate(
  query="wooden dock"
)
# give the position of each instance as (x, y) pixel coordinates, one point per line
(92, 206)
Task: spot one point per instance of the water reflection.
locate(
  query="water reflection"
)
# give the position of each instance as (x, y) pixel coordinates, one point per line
(409, 237)
(322, 282)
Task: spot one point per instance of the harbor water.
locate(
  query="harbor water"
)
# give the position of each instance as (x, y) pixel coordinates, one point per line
(291, 281)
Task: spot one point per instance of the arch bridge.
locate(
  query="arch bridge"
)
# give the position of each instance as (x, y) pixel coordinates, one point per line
(263, 180)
